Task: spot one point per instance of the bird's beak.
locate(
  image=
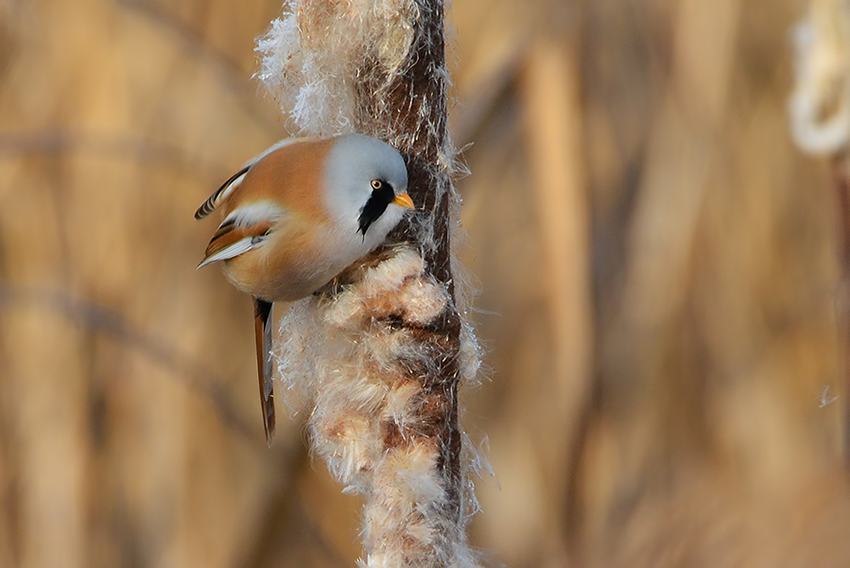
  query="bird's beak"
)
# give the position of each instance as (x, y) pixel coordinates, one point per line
(404, 200)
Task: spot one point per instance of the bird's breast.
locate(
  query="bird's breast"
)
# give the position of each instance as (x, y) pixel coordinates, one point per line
(292, 264)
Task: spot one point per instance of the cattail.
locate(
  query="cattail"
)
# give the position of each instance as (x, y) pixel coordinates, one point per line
(819, 112)
(382, 351)
(820, 105)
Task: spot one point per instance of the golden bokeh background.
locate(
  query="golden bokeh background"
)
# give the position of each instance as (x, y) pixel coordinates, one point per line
(656, 265)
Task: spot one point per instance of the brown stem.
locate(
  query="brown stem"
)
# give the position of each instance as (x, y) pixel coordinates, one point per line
(842, 196)
(411, 112)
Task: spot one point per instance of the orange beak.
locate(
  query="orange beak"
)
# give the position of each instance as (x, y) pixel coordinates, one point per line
(404, 200)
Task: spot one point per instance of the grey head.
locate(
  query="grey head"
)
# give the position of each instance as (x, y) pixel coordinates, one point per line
(364, 176)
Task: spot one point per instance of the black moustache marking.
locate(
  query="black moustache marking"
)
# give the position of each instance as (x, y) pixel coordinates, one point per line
(375, 206)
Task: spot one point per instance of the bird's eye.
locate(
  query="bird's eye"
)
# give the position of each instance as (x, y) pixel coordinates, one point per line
(377, 184)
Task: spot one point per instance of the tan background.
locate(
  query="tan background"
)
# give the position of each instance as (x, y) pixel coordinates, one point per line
(657, 275)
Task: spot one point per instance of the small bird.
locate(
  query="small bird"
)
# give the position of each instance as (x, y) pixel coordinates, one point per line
(296, 216)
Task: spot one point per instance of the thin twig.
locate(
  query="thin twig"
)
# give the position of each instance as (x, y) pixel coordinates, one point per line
(51, 141)
(229, 71)
(89, 314)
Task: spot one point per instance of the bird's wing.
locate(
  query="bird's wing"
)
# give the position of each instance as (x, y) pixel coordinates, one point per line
(227, 188)
(245, 228)
(223, 192)
(263, 336)
(232, 240)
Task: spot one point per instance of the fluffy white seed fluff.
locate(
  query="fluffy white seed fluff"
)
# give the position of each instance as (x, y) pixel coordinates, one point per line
(819, 107)
(344, 354)
(308, 54)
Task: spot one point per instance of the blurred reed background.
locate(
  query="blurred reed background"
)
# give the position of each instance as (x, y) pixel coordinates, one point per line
(658, 277)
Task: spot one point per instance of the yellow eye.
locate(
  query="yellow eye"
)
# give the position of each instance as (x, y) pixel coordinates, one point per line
(377, 184)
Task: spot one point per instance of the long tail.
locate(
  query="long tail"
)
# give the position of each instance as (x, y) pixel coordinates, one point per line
(263, 336)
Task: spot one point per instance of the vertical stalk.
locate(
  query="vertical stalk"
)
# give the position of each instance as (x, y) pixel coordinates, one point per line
(842, 205)
(383, 351)
(412, 114)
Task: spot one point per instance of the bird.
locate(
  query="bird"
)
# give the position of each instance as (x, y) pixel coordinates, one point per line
(296, 216)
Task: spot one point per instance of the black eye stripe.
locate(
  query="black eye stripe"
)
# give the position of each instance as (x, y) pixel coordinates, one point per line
(382, 196)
